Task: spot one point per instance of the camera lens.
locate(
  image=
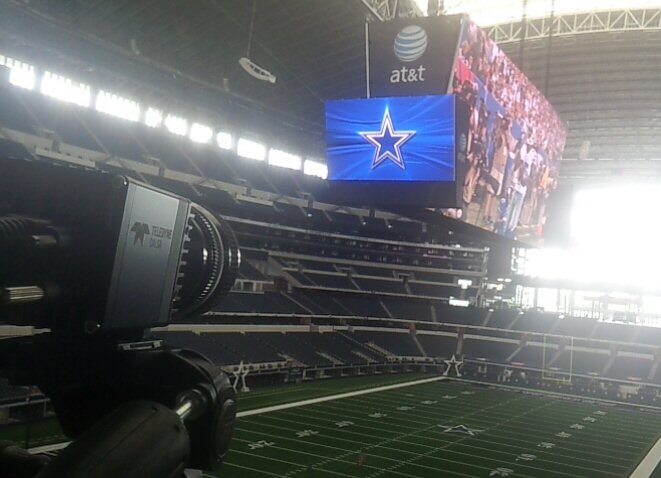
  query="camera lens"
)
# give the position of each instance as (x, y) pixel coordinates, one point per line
(209, 265)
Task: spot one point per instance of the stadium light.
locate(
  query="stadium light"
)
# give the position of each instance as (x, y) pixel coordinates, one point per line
(224, 140)
(65, 89)
(21, 74)
(284, 159)
(176, 125)
(200, 133)
(315, 168)
(118, 106)
(153, 118)
(251, 149)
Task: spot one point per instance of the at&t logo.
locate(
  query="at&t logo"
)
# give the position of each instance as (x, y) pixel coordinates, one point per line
(410, 45)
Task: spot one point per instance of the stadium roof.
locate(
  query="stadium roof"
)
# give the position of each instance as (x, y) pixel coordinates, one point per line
(489, 12)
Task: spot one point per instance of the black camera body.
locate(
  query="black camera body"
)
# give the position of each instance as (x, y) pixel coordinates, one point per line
(106, 250)
(98, 259)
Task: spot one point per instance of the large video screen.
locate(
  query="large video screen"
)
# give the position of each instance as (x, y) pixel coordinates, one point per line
(514, 141)
(393, 150)
(391, 139)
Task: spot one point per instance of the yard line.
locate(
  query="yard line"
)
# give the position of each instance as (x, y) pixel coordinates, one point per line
(400, 450)
(461, 439)
(266, 457)
(338, 396)
(418, 431)
(449, 445)
(326, 459)
(623, 422)
(363, 445)
(353, 451)
(229, 463)
(516, 417)
(530, 391)
(334, 417)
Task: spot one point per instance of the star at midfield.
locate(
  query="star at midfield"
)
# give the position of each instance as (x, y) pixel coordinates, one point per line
(387, 142)
(462, 429)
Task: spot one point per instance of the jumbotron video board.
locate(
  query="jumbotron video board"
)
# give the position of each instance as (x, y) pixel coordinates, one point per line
(394, 150)
(508, 149)
(515, 140)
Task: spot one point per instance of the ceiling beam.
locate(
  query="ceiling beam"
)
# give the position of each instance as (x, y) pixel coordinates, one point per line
(575, 24)
(383, 10)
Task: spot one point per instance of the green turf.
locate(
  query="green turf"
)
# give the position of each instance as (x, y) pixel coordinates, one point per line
(511, 432)
(264, 397)
(509, 428)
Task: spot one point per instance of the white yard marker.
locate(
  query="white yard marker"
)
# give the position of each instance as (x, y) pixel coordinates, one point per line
(339, 396)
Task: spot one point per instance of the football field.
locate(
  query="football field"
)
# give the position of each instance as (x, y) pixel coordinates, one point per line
(440, 428)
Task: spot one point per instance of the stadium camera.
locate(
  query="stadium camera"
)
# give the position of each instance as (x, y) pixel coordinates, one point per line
(96, 259)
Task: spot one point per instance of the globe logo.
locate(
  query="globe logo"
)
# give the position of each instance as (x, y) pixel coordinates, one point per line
(410, 43)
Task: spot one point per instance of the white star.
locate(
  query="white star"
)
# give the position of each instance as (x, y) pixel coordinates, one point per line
(460, 429)
(453, 362)
(386, 147)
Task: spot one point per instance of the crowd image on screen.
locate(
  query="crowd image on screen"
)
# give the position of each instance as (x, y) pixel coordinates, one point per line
(515, 140)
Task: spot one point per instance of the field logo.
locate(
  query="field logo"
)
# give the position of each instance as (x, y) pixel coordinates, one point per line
(462, 429)
(410, 45)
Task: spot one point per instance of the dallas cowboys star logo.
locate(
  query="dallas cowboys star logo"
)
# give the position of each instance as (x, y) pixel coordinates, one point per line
(462, 429)
(453, 362)
(387, 142)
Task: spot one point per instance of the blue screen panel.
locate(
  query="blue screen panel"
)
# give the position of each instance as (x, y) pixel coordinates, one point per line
(391, 139)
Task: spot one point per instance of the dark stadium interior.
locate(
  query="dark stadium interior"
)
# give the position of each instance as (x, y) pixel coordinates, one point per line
(326, 290)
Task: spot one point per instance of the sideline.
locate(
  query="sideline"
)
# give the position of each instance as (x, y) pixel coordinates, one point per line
(312, 401)
(648, 464)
